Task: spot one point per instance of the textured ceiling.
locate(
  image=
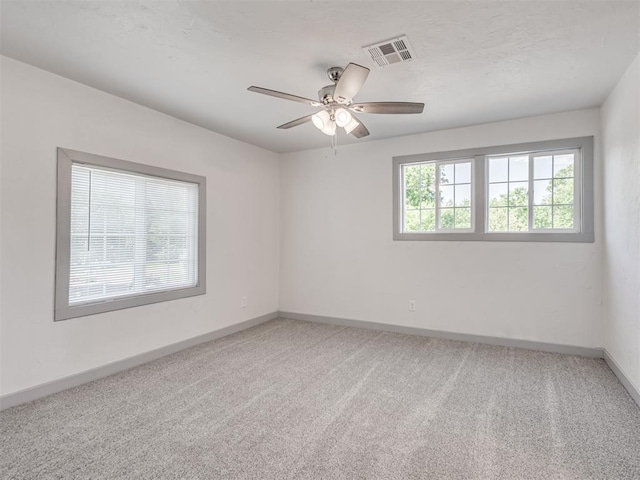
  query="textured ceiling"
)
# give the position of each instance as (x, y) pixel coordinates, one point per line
(477, 62)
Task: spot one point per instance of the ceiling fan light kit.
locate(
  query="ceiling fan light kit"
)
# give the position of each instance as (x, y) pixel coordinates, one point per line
(351, 125)
(320, 119)
(343, 117)
(337, 104)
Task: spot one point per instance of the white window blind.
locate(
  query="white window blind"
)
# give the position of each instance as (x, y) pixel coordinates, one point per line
(131, 234)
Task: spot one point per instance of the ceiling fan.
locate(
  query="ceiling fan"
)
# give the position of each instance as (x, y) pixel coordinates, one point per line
(337, 104)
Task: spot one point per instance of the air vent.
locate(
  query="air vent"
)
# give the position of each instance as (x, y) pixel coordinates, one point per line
(395, 50)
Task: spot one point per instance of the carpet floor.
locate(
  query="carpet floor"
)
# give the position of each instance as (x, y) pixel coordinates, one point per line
(291, 399)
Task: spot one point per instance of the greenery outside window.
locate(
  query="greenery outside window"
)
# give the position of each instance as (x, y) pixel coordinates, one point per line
(437, 196)
(539, 191)
(534, 192)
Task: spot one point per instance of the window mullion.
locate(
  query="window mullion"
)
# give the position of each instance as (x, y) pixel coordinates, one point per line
(401, 200)
(530, 195)
(437, 182)
(479, 196)
(577, 191)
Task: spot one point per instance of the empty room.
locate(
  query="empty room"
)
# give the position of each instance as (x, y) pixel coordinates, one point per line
(320, 240)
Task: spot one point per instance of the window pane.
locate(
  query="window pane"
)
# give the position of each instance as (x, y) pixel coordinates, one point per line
(446, 195)
(463, 195)
(411, 176)
(412, 220)
(542, 217)
(563, 191)
(563, 165)
(498, 219)
(542, 192)
(463, 218)
(427, 198)
(518, 194)
(542, 167)
(498, 169)
(463, 172)
(563, 216)
(518, 168)
(428, 176)
(447, 173)
(412, 199)
(447, 218)
(428, 220)
(498, 194)
(121, 223)
(518, 219)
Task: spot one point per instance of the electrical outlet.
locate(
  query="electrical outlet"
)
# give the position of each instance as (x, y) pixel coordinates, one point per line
(412, 305)
(244, 301)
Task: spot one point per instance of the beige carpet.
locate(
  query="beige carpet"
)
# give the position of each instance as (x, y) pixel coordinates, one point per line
(291, 399)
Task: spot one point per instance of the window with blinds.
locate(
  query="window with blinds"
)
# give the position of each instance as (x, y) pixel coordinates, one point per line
(131, 236)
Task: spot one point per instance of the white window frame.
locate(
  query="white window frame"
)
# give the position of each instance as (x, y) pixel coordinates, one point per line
(577, 172)
(65, 311)
(583, 190)
(438, 164)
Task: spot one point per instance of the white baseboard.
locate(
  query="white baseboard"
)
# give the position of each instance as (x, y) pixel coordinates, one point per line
(463, 337)
(44, 389)
(624, 380)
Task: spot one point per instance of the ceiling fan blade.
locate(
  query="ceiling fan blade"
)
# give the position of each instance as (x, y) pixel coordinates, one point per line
(296, 122)
(286, 96)
(360, 131)
(350, 82)
(387, 107)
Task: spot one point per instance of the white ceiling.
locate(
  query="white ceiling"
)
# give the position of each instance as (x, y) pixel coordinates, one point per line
(478, 61)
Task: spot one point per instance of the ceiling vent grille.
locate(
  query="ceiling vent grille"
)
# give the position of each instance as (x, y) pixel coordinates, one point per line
(389, 52)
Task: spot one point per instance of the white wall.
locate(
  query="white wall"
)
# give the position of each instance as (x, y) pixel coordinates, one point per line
(41, 111)
(621, 151)
(338, 257)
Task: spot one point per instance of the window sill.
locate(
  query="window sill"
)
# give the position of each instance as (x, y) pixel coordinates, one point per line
(498, 237)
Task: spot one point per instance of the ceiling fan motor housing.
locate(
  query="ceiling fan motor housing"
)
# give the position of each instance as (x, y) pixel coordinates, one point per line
(325, 94)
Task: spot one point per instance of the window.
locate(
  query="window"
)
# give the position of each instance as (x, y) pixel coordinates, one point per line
(127, 235)
(535, 192)
(437, 196)
(529, 192)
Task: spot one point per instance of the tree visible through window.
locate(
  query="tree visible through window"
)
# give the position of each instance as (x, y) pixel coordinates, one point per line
(532, 192)
(541, 191)
(437, 196)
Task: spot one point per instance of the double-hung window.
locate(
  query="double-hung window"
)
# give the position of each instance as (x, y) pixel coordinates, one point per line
(528, 192)
(127, 235)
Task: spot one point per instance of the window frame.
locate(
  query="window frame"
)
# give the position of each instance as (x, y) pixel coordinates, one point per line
(531, 156)
(438, 164)
(62, 310)
(584, 194)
